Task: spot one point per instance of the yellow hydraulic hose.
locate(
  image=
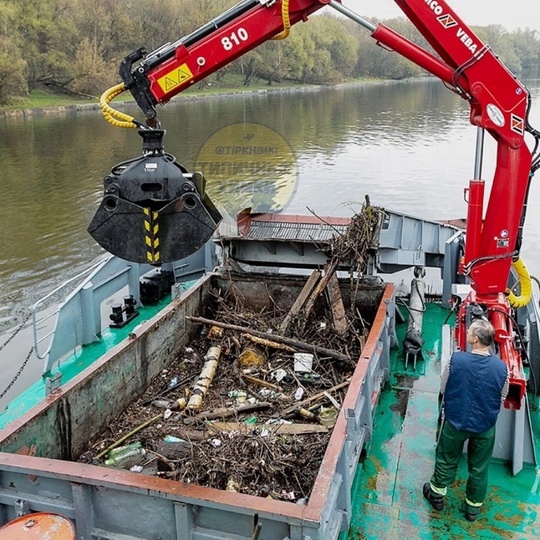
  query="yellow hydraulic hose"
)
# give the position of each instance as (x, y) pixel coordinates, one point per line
(525, 285)
(114, 117)
(286, 21)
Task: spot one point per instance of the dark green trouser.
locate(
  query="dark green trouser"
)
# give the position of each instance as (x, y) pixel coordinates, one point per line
(448, 455)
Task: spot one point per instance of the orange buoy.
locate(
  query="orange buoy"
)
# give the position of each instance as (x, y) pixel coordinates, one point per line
(38, 526)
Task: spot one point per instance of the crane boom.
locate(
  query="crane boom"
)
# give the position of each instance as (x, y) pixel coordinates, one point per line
(172, 68)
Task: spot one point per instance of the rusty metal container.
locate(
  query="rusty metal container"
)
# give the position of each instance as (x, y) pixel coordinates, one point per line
(38, 526)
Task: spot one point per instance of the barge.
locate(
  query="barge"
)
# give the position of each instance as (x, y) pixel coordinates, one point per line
(379, 452)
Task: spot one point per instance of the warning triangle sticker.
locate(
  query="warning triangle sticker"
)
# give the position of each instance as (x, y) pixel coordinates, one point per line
(174, 78)
(169, 84)
(183, 73)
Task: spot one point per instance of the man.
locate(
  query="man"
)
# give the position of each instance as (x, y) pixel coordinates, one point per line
(474, 385)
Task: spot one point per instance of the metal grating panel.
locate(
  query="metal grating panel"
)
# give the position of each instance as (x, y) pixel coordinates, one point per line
(318, 232)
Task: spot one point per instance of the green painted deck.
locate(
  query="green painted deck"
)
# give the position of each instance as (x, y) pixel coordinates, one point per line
(387, 492)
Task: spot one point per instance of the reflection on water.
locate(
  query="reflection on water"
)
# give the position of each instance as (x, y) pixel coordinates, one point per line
(408, 145)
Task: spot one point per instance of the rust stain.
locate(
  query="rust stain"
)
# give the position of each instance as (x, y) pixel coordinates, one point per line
(26, 450)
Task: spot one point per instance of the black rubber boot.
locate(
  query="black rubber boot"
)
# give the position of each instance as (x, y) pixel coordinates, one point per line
(436, 501)
(471, 512)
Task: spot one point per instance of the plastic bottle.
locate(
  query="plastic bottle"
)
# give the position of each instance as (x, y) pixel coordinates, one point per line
(123, 449)
(328, 416)
(178, 404)
(239, 395)
(173, 439)
(311, 376)
(233, 485)
(126, 459)
(308, 415)
(161, 403)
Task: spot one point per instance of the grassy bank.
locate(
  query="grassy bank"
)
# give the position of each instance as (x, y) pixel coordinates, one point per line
(38, 99)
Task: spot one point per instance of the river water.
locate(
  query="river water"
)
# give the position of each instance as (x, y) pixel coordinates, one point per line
(408, 145)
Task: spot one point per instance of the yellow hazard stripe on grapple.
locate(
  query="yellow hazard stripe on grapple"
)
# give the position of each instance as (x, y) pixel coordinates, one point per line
(151, 231)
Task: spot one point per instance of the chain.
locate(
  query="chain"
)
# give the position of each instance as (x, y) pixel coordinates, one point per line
(15, 333)
(18, 374)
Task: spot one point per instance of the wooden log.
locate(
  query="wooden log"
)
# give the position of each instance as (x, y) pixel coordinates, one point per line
(191, 434)
(329, 270)
(300, 300)
(341, 323)
(284, 429)
(268, 343)
(227, 412)
(275, 337)
(260, 382)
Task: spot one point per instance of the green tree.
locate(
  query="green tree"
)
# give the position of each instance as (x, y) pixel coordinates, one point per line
(105, 36)
(375, 60)
(47, 27)
(77, 45)
(526, 44)
(323, 52)
(247, 66)
(158, 26)
(497, 38)
(300, 54)
(12, 63)
(197, 13)
(92, 75)
(270, 61)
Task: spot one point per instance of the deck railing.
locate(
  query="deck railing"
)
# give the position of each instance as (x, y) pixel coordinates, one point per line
(77, 318)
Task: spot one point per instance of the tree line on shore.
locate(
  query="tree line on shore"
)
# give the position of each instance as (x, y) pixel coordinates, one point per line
(76, 46)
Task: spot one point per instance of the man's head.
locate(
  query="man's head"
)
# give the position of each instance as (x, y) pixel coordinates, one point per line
(480, 333)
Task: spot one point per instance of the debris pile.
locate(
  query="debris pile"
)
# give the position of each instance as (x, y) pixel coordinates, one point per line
(361, 237)
(250, 404)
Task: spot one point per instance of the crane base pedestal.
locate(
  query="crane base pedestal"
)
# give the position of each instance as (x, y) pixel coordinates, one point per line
(514, 439)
